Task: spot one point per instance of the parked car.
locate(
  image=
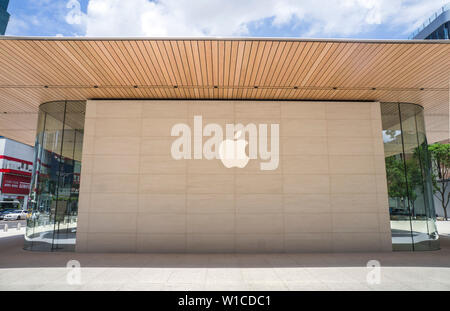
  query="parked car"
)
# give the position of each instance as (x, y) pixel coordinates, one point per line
(16, 215)
(4, 212)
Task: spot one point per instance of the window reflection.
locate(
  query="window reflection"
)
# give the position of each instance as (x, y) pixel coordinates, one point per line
(408, 178)
(56, 177)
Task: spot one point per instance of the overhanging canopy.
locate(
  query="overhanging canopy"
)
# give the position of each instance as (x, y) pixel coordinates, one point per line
(37, 70)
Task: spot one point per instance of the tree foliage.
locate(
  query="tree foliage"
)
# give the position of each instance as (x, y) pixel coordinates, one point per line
(403, 178)
(440, 157)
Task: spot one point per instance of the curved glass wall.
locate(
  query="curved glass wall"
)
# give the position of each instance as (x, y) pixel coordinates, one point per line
(55, 182)
(408, 178)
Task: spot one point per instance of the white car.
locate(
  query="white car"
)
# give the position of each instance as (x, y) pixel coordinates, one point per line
(16, 215)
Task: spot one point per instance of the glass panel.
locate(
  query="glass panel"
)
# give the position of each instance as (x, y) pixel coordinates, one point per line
(35, 224)
(432, 236)
(414, 179)
(408, 177)
(65, 226)
(56, 175)
(396, 181)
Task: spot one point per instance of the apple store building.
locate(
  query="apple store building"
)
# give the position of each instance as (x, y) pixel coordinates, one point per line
(227, 145)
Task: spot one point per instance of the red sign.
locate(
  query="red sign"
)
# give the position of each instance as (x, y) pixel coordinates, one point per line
(13, 184)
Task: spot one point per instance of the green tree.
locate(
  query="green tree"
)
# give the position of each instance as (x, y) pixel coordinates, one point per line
(440, 158)
(397, 180)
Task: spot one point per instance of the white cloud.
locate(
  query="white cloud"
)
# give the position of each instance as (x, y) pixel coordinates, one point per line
(233, 17)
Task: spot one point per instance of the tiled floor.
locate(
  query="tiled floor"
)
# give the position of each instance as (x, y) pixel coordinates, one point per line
(23, 270)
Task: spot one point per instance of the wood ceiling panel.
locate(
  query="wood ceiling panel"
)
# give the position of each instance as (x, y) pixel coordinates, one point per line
(37, 70)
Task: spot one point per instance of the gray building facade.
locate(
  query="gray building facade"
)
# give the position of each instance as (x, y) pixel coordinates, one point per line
(436, 26)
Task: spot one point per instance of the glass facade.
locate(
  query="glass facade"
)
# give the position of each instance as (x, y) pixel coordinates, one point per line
(57, 166)
(408, 177)
(55, 181)
(442, 33)
(440, 21)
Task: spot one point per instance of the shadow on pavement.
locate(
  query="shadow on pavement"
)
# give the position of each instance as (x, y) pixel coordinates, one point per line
(12, 255)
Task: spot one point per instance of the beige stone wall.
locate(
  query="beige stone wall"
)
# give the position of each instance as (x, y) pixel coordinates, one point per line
(327, 195)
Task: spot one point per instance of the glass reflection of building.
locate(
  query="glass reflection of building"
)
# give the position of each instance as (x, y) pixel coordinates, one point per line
(56, 177)
(408, 178)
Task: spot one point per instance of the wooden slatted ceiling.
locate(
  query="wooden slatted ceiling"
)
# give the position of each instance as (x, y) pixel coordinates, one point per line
(37, 70)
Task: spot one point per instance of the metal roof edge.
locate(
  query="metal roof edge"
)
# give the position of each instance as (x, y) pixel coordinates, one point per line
(337, 40)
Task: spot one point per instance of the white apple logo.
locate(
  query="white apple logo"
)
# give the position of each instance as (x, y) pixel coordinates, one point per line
(232, 152)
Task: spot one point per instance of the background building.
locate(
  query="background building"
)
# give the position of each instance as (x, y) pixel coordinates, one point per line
(16, 165)
(436, 26)
(4, 16)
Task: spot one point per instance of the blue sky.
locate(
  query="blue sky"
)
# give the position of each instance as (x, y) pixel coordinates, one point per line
(371, 19)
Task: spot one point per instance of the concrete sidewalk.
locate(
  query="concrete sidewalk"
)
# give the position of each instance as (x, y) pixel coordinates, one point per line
(443, 228)
(24, 270)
